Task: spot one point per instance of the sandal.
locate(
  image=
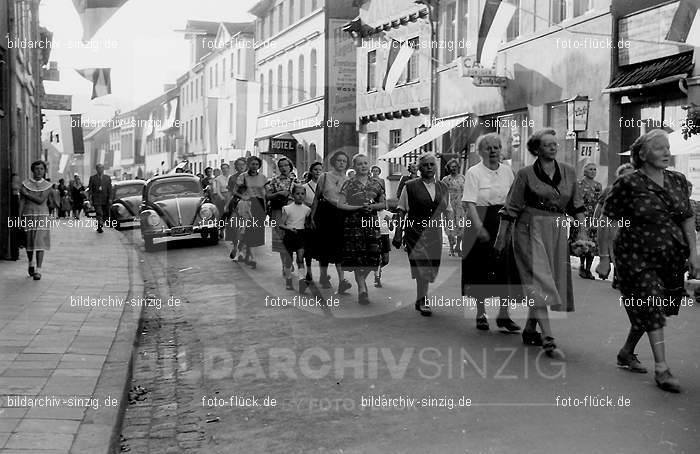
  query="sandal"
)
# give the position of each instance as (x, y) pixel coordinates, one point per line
(482, 323)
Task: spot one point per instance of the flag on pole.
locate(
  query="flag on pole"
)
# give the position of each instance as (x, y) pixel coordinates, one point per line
(399, 55)
(494, 23)
(95, 13)
(685, 27)
(72, 134)
(100, 78)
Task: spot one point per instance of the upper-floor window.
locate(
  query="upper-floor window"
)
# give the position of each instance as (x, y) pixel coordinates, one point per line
(279, 86)
(211, 77)
(313, 75)
(273, 22)
(223, 70)
(581, 6)
(371, 70)
(280, 12)
(292, 17)
(260, 28)
(372, 146)
(314, 5)
(239, 59)
(302, 80)
(513, 30)
(449, 32)
(290, 82)
(269, 90)
(261, 106)
(196, 88)
(412, 68)
(202, 86)
(216, 75)
(230, 118)
(302, 12)
(557, 11)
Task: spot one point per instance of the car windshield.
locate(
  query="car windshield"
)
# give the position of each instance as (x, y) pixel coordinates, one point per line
(176, 188)
(128, 190)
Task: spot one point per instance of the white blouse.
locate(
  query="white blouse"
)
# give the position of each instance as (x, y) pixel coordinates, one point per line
(485, 187)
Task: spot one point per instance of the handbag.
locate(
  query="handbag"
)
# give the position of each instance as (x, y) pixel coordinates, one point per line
(673, 296)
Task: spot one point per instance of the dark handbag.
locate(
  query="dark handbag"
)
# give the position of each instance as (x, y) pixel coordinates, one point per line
(673, 296)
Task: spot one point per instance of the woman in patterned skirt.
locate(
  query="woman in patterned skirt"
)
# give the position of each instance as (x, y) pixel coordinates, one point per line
(454, 225)
(590, 192)
(362, 197)
(653, 246)
(35, 212)
(250, 187)
(536, 209)
(278, 193)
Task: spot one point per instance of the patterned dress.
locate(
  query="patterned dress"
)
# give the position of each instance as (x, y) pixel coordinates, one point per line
(650, 253)
(361, 236)
(590, 192)
(276, 184)
(454, 225)
(36, 217)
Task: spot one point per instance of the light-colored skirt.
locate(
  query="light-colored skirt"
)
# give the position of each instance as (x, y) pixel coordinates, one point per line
(38, 236)
(542, 256)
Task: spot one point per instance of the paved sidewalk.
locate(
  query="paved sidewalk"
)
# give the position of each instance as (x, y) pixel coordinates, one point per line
(63, 368)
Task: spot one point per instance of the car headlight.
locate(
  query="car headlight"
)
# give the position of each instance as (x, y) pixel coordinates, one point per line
(153, 219)
(206, 212)
(121, 210)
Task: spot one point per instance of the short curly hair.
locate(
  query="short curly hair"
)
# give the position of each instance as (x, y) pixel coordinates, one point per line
(642, 143)
(254, 158)
(452, 161)
(535, 140)
(337, 154)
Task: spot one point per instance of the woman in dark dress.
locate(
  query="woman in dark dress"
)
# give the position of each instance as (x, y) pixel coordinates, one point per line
(77, 196)
(422, 203)
(361, 197)
(652, 248)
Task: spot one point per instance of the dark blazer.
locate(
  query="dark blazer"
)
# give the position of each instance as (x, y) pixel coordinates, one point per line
(100, 189)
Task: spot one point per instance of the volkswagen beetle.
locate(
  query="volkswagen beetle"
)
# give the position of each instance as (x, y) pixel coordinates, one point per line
(126, 196)
(175, 205)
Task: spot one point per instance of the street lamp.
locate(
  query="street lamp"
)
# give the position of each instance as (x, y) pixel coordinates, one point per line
(577, 113)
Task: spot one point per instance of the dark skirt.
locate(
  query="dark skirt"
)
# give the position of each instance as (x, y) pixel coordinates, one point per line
(255, 236)
(483, 274)
(277, 233)
(424, 247)
(330, 225)
(361, 248)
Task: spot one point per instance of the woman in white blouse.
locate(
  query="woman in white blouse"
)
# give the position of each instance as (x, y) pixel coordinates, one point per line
(483, 274)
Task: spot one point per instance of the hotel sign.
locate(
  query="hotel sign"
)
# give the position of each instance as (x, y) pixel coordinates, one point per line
(283, 145)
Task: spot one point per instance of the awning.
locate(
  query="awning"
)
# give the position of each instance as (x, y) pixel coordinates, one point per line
(679, 145)
(424, 138)
(651, 73)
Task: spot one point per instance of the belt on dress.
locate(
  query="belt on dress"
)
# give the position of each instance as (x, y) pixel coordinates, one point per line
(549, 209)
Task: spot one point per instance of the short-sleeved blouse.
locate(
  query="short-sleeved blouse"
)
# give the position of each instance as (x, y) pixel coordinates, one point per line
(356, 193)
(281, 183)
(533, 188)
(254, 185)
(655, 213)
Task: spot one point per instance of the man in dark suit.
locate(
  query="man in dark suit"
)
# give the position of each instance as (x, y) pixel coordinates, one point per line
(100, 187)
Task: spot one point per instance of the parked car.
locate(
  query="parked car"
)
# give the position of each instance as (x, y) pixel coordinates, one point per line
(175, 205)
(126, 203)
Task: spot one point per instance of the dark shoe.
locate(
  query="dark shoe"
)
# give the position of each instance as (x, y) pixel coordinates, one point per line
(232, 255)
(378, 282)
(458, 251)
(631, 362)
(550, 348)
(344, 286)
(253, 264)
(30, 270)
(589, 275)
(302, 285)
(289, 285)
(37, 276)
(615, 283)
(325, 282)
(363, 298)
(482, 323)
(507, 323)
(99, 230)
(423, 308)
(532, 338)
(666, 381)
(582, 273)
(602, 276)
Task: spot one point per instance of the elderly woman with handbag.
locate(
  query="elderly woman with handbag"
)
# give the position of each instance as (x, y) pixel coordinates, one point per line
(655, 243)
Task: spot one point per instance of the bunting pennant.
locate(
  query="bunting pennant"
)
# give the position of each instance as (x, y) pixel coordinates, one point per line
(100, 78)
(685, 27)
(95, 13)
(494, 23)
(399, 55)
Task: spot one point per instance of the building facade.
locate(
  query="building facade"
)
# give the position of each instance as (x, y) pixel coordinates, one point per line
(306, 72)
(574, 36)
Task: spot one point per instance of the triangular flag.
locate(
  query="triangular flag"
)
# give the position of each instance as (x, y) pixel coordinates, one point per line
(494, 23)
(100, 78)
(685, 27)
(399, 55)
(95, 13)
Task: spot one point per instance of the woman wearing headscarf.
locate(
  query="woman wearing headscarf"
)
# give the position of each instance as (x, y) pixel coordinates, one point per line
(278, 193)
(422, 204)
(542, 196)
(485, 275)
(654, 244)
(251, 208)
(35, 212)
(329, 221)
(590, 193)
(454, 225)
(361, 197)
